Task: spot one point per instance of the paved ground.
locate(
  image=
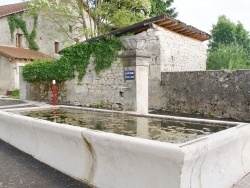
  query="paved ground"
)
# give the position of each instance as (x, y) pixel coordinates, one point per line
(20, 170)
(8, 102)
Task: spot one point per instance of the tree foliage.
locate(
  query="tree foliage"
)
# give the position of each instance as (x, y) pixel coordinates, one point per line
(116, 13)
(226, 32)
(159, 7)
(16, 23)
(229, 47)
(75, 58)
(89, 18)
(230, 57)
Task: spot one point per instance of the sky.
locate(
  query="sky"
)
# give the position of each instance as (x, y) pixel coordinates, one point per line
(202, 14)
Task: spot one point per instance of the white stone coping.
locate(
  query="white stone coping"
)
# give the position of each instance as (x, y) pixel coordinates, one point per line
(110, 160)
(174, 118)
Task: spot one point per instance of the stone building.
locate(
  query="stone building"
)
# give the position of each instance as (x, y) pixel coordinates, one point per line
(48, 39)
(173, 46)
(11, 59)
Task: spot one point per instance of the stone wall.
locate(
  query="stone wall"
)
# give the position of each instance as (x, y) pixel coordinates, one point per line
(5, 31)
(105, 87)
(171, 52)
(9, 74)
(47, 35)
(181, 53)
(161, 43)
(5, 75)
(212, 93)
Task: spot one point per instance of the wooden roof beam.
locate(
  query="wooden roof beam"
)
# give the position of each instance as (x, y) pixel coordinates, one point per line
(186, 32)
(169, 25)
(199, 37)
(163, 22)
(179, 30)
(140, 29)
(173, 28)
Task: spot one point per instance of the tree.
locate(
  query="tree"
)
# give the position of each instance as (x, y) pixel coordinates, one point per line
(229, 47)
(90, 17)
(242, 36)
(66, 15)
(222, 33)
(226, 32)
(116, 13)
(231, 57)
(159, 7)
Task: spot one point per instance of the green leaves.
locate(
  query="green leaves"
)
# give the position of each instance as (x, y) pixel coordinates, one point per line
(17, 23)
(91, 17)
(230, 57)
(159, 7)
(43, 70)
(229, 47)
(77, 58)
(105, 52)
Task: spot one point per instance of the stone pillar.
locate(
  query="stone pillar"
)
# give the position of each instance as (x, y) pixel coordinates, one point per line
(136, 61)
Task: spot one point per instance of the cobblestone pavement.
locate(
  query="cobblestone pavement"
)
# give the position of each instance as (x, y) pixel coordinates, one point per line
(20, 170)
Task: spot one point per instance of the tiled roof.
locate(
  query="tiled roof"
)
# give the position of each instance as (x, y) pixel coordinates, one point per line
(6, 10)
(21, 53)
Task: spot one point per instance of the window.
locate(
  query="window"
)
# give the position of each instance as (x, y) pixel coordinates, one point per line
(76, 40)
(19, 40)
(56, 47)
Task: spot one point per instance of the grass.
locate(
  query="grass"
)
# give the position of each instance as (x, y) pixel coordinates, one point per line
(15, 94)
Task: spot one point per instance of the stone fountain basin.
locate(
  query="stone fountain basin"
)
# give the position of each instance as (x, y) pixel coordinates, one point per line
(109, 160)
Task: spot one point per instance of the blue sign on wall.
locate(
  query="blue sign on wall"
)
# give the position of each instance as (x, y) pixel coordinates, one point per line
(129, 75)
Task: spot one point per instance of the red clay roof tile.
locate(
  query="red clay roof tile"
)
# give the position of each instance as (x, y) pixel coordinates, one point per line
(21, 53)
(6, 10)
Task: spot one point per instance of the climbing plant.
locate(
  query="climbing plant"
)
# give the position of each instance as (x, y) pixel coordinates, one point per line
(76, 57)
(43, 70)
(16, 22)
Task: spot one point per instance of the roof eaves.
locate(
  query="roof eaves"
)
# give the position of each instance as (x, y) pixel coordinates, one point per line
(6, 55)
(12, 13)
(146, 24)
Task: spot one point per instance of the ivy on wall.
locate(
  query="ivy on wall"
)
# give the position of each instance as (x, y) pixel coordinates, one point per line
(17, 23)
(47, 70)
(76, 57)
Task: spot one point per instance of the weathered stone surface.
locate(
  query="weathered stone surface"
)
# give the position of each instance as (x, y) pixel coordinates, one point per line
(168, 51)
(214, 93)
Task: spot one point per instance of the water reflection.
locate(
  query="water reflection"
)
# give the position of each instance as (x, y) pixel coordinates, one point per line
(149, 128)
(54, 115)
(142, 129)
